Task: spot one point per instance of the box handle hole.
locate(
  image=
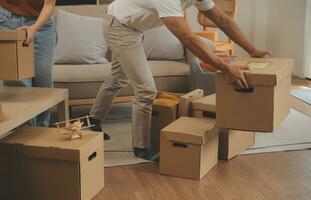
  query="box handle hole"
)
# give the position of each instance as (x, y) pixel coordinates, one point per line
(245, 90)
(155, 114)
(180, 145)
(24, 44)
(93, 156)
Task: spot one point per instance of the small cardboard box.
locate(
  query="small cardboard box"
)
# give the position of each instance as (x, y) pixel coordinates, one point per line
(263, 106)
(16, 59)
(189, 148)
(163, 113)
(185, 101)
(39, 163)
(232, 143)
(204, 107)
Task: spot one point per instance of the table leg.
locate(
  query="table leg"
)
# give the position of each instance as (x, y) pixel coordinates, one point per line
(63, 111)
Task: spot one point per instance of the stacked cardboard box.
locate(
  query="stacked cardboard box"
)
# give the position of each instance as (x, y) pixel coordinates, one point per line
(39, 163)
(189, 148)
(231, 142)
(17, 59)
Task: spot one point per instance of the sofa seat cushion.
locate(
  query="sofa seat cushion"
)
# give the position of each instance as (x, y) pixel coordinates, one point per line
(89, 90)
(100, 72)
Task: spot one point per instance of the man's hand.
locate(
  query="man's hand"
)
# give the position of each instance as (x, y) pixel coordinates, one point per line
(225, 56)
(236, 75)
(260, 54)
(31, 33)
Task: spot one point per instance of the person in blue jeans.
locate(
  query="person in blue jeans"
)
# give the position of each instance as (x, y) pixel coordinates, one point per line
(33, 16)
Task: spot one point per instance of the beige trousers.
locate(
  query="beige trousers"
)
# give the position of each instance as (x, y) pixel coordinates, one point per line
(129, 66)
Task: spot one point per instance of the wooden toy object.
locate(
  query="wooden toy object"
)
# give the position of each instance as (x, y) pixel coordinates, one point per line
(74, 127)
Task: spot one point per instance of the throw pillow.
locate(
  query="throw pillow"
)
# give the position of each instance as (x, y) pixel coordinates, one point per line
(80, 39)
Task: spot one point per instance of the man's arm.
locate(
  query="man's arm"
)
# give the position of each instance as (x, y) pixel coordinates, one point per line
(231, 29)
(180, 28)
(45, 14)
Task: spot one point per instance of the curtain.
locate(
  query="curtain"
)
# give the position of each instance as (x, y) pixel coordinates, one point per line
(307, 51)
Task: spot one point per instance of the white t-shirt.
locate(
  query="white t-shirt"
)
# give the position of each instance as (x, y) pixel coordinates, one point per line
(146, 14)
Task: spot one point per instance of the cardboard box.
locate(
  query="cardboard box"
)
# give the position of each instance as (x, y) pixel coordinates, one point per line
(17, 60)
(189, 148)
(163, 113)
(39, 163)
(165, 110)
(185, 101)
(204, 107)
(232, 143)
(263, 106)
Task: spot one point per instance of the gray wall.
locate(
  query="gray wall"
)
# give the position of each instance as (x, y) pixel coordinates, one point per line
(276, 25)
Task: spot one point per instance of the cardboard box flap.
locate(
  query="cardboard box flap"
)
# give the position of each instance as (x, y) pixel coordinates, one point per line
(190, 130)
(12, 35)
(166, 102)
(207, 103)
(49, 143)
(266, 71)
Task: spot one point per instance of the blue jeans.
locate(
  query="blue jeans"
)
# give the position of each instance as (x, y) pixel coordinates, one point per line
(44, 44)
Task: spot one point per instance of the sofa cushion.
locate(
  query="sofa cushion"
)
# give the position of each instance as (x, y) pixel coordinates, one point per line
(89, 90)
(100, 72)
(167, 46)
(80, 47)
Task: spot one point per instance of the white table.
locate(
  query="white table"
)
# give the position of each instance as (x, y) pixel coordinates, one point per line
(20, 104)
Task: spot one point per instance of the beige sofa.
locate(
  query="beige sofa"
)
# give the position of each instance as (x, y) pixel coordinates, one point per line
(83, 81)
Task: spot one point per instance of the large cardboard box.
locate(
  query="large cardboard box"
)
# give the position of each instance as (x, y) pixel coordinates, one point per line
(164, 112)
(264, 105)
(16, 59)
(204, 107)
(189, 148)
(39, 163)
(232, 143)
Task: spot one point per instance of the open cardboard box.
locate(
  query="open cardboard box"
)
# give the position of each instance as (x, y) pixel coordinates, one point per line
(163, 113)
(39, 163)
(185, 102)
(16, 59)
(263, 106)
(166, 109)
